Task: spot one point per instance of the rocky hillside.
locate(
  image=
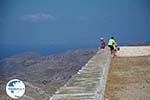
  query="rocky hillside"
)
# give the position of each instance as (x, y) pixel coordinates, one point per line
(43, 75)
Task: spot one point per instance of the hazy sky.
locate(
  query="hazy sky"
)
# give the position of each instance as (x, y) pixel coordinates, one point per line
(73, 21)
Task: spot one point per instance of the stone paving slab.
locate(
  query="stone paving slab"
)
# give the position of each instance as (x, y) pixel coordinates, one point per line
(133, 51)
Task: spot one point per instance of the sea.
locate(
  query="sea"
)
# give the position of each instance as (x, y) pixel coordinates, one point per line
(10, 50)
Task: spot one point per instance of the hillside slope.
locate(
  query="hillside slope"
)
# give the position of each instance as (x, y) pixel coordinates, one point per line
(43, 75)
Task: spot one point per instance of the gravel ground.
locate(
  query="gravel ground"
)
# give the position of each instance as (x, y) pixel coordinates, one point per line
(129, 79)
(133, 51)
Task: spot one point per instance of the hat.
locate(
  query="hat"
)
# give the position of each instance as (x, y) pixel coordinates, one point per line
(101, 38)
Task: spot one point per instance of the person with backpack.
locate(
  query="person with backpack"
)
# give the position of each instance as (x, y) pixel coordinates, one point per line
(113, 46)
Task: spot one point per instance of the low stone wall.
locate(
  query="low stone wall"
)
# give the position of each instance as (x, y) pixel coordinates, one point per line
(89, 82)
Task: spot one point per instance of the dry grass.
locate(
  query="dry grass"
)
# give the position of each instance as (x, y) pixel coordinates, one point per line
(128, 79)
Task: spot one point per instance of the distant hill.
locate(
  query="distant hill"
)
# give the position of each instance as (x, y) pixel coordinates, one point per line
(140, 44)
(43, 75)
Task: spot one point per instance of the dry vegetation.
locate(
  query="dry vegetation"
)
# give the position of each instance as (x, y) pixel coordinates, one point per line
(42, 75)
(128, 79)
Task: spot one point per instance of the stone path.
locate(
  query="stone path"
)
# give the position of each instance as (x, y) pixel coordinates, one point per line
(130, 51)
(129, 75)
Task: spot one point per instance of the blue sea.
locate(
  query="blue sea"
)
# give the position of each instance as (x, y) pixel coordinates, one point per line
(10, 50)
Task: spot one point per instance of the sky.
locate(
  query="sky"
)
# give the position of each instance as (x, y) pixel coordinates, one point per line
(73, 22)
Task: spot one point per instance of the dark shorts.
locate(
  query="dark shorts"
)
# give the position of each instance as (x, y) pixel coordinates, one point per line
(111, 47)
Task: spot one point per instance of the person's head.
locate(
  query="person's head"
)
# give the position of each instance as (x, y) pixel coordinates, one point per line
(112, 37)
(101, 38)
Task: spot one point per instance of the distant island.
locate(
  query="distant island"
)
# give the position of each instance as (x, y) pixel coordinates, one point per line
(139, 44)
